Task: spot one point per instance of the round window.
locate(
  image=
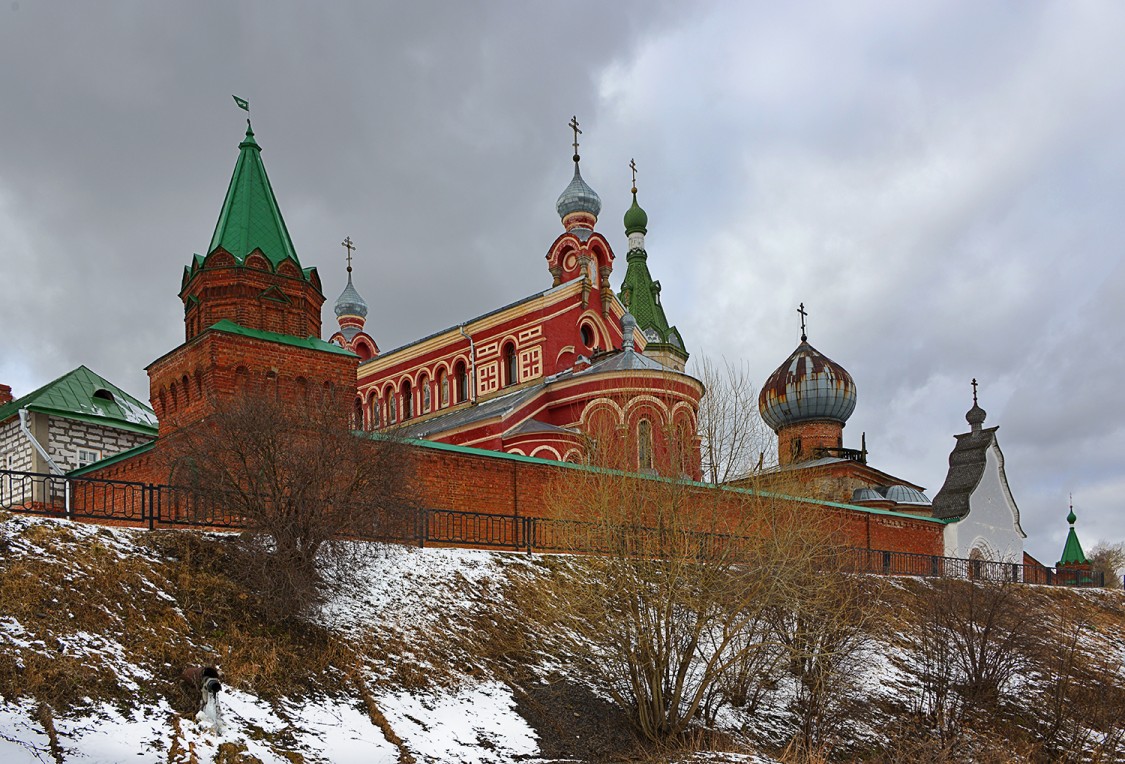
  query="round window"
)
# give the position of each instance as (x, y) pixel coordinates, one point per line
(587, 336)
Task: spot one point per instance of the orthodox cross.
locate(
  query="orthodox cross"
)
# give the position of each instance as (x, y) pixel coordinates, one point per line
(347, 244)
(633, 167)
(804, 315)
(974, 391)
(577, 132)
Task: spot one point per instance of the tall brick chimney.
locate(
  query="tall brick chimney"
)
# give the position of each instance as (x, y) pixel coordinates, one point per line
(5, 394)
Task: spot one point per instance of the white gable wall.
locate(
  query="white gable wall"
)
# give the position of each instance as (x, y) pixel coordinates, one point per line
(992, 525)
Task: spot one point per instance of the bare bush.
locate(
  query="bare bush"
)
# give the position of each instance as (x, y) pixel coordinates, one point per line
(975, 639)
(669, 613)
(1109, 560)
(300, 483)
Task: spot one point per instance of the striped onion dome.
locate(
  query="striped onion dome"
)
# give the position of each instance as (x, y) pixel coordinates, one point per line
(807, 386)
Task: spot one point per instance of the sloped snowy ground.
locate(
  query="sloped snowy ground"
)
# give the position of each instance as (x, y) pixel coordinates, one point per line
(427, 697)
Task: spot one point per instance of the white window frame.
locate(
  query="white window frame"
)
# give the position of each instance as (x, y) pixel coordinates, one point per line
(84, 450)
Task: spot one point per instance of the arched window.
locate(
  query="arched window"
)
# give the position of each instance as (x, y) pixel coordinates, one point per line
(302, 388)
(392, 407)
(373, 412)
(511, 374)
(271, 384)
(425, 383)
(407, 400)
(644, 445)
(187, 390)
(462, 373)
(241, 381)
(357, 414)
(443, 388)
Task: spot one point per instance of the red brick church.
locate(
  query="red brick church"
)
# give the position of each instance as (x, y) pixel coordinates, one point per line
(493, 405)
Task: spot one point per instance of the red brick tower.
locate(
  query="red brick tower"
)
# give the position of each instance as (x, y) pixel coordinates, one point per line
(251, 313)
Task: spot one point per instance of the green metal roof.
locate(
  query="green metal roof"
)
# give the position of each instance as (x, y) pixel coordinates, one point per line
(250, 218)
(1072, 550)
(309, 343)
(87, 397)
(111, 460)
(641, 296)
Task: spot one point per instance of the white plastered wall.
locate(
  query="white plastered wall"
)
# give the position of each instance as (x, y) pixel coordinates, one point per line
(992, 525)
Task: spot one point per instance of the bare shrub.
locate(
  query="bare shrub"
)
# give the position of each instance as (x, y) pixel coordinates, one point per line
(976, 637)
(301, 484)
(668, 604)
(1109, 560)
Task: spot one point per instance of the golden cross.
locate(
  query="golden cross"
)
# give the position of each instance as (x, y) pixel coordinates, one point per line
(804, 315)
(347, 244)
(577, 132)
(633, 167)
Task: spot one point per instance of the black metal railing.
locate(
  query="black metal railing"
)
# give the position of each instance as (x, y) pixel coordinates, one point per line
(150, 505)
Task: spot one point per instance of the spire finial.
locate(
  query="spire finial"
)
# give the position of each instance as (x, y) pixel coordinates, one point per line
(347, 244)
(633, 167)
(974, 391)
(1071, 518)
(577, 132)
(804, 314)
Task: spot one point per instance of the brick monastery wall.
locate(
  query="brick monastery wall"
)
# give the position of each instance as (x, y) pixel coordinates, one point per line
(473, 481)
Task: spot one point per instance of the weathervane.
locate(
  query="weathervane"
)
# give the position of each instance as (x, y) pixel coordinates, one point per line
(577, 132)
(633, 167)
(804, 315)
(347, 244)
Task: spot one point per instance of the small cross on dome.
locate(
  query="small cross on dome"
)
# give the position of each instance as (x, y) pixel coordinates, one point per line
(347, 244)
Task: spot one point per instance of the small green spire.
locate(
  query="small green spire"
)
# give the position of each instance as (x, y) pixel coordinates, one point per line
(250, 218)
(1072, 550)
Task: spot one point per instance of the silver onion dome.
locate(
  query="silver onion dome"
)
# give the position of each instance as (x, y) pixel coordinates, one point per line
(350, 303)
(578, 197)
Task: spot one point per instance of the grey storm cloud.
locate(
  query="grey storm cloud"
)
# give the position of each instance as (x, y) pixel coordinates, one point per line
(939, 183)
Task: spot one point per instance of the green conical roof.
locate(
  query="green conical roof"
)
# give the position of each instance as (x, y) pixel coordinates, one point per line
(250, 218)
(1072, 550)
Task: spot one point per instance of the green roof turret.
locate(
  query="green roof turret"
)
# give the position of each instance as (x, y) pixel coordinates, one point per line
(250, 218)
(640, 293)
(1072, 550)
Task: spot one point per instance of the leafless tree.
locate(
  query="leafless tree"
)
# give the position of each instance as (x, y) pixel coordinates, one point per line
(1109, 560)
(299, 483)
(733, 438)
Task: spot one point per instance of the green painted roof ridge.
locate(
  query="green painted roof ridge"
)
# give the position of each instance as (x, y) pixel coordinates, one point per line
(310, 343)
(111, 460)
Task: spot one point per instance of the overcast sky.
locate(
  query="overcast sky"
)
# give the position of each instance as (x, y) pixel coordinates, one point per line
(940, 183)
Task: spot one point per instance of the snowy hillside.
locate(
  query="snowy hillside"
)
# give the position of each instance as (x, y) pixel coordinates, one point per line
(427, 660)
